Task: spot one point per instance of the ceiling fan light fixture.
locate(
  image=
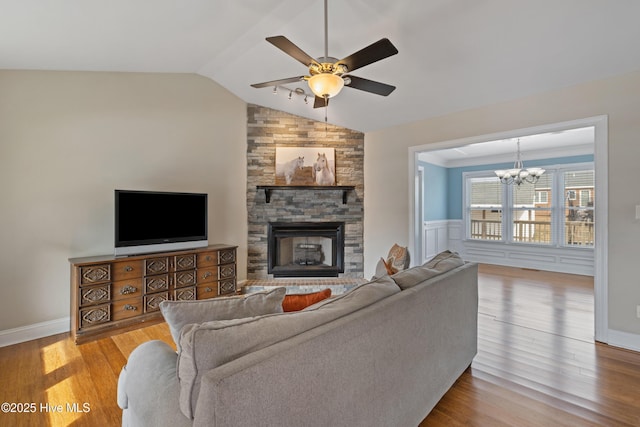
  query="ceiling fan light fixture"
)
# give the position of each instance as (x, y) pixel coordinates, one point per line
(326, 85)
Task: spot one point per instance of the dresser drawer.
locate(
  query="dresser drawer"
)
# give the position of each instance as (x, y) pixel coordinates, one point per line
(90, 295)
(156, 266)
(207, 275)
(227, 256)
(126, 308)
(94, 315)
(94, 274)
(126, 269)
(126, 289)
(156, 283)
(207, 259)
(184, 262)
(184, 294)
(227, 271)
(152, 302)
(227, 287)
(184, 278)
(208, 290)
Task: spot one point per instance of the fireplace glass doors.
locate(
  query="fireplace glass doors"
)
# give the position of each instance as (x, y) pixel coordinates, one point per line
(305, 249)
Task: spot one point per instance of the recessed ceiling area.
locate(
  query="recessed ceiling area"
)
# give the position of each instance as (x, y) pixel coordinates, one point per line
(454, 55)
(570, 142)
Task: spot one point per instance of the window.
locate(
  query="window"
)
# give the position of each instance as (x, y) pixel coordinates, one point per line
(542, 197)
(556, 211)
(578, 211)
(486, 208)
(532, 223)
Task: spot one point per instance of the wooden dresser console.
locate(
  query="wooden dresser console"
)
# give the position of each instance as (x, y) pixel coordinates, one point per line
(111, 294)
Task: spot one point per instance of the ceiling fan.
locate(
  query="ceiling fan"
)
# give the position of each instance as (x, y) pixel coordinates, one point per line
(328, 75)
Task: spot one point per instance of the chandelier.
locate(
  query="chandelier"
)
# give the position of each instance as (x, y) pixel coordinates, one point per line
(519, 174)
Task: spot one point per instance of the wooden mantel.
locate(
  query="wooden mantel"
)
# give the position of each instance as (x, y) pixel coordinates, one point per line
(344, 188)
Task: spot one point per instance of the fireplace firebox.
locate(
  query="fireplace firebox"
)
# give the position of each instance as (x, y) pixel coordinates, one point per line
(305, 249)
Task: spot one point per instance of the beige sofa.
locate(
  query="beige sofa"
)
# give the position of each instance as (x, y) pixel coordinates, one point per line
(382, 354)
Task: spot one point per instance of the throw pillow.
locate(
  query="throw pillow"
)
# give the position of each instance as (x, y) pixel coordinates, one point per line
(297, 302)
(398, 259)
(180, 313)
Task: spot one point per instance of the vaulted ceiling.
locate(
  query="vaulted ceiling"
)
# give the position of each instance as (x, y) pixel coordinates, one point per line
(453, 54)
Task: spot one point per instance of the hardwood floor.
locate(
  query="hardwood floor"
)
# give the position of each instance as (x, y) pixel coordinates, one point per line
(536, 366)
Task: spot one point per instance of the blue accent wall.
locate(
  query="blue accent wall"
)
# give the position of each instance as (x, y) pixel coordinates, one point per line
(435, 202)
(443, 196)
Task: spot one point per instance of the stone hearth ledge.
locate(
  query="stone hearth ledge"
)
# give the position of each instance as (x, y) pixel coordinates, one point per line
(303, 285)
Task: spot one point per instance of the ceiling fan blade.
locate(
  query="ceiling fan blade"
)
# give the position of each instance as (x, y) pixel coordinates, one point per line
(369, 85)
(285, 45)
(278, 82)
(320, 102)
(381, 49)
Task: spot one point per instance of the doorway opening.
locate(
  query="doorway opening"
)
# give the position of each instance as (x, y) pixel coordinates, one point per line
(598, 125)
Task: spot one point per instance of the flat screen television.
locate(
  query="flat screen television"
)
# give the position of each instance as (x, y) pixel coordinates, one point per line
(154, 221)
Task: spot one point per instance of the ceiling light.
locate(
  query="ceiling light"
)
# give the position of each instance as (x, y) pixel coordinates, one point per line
(518, 174)
(326, 85)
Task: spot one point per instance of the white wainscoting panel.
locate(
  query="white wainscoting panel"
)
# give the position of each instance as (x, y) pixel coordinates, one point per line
(563, 260)
(436, 238)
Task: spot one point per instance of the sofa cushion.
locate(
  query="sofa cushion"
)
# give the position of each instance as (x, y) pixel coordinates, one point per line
(180, 313)
(439, 264)
(211, 344)
(297, 302)
(444, 258)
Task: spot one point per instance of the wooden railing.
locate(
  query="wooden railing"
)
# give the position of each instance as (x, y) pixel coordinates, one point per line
(579, 233)
(486, 229)
(532, 231)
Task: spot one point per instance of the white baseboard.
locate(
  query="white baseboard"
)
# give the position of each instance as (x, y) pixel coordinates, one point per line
(35, 331)
(624, 340)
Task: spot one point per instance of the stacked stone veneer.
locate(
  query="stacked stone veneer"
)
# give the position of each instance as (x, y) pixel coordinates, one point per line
(268, 129)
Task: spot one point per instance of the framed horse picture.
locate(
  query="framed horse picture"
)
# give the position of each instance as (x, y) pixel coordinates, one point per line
(305, 166)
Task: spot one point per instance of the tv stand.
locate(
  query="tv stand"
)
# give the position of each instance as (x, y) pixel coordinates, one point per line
(110, 294)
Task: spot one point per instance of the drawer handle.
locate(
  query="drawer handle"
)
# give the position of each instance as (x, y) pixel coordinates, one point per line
(130, 307)
(206, 274)
(128, 290)
(128, 268)
(208, 289)
(208, 258)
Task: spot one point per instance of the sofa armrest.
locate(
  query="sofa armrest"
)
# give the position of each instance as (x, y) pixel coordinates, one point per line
(148, 378)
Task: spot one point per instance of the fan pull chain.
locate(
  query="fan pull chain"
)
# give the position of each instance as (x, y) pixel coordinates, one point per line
(326, 109)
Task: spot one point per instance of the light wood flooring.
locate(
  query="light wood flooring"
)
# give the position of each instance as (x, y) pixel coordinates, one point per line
(537, 365)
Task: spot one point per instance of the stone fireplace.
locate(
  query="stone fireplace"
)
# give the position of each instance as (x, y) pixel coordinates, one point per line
(268, 129)
(305, 249)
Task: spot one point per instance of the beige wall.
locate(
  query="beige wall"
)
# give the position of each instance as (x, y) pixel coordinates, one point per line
(386, 209)
(68, 139)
